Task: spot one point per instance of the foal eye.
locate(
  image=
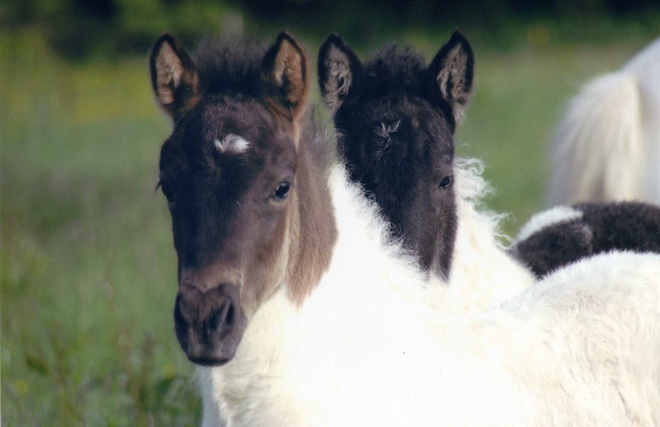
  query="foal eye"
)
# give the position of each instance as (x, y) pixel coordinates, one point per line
(446, 181)
(282, 191)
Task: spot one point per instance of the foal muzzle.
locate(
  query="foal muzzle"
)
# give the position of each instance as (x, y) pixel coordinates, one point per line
(209, 323)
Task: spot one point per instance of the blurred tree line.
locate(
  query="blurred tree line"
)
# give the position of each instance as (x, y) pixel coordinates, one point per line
(81, 29)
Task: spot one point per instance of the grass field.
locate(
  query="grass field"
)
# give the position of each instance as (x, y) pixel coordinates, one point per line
(87, 268)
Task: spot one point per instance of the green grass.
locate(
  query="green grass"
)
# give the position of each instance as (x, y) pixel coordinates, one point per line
(87, 268)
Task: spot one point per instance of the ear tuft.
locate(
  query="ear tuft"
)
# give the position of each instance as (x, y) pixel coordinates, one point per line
(339, 70)
(451, 73)
(285, 69)
(173, 77)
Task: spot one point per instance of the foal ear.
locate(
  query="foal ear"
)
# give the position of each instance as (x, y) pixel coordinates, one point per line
(450, 74)
(173, 77)
(284, 69)
(339, 71)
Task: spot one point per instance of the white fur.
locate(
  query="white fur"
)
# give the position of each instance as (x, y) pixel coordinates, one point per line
(547, 218)
(608, 146)
(232, 144)
(482, 273)
(367, 347)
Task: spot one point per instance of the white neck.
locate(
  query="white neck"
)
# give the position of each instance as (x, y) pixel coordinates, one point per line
(366, 349)
(364, 316)
(374, 309)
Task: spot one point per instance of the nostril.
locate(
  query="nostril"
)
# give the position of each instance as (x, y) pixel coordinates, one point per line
(224, 319)
(230, 315)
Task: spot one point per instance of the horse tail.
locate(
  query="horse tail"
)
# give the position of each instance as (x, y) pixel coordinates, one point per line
(598, 149)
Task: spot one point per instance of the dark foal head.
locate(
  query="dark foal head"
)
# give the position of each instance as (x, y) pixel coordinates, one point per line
(235, 174)
(395, 118)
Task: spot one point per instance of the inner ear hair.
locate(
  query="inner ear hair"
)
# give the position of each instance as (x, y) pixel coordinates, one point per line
(173, 76)
(285, 67)
(338, 67)
(452, 71)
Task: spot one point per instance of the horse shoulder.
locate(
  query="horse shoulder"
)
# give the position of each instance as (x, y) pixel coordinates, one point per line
(586, 341)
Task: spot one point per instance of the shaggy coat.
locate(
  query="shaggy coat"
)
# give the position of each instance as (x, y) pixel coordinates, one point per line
(565, 234)
(578, 349)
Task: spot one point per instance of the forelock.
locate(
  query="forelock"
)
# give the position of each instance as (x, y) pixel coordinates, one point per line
(395, 68)
(230, 65)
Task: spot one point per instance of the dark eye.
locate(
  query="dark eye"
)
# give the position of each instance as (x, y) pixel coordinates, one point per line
(282, 191)
(446, 182)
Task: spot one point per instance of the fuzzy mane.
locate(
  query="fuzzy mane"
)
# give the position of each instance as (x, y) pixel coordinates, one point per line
(229, 65)
(394, 68)
(482, 274)
(472, 189)
(377, 227)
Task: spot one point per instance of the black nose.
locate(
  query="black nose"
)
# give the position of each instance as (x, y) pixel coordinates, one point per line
(209, 324)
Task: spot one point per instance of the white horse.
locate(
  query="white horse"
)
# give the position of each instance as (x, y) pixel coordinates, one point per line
(607, 148)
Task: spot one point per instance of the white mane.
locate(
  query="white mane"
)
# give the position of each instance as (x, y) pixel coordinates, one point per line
(482, 274)
(366, 349)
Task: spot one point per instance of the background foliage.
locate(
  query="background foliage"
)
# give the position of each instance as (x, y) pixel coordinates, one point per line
(84, 30)
(87, 268)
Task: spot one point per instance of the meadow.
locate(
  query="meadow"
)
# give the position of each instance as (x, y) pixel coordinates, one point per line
(87, 267)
